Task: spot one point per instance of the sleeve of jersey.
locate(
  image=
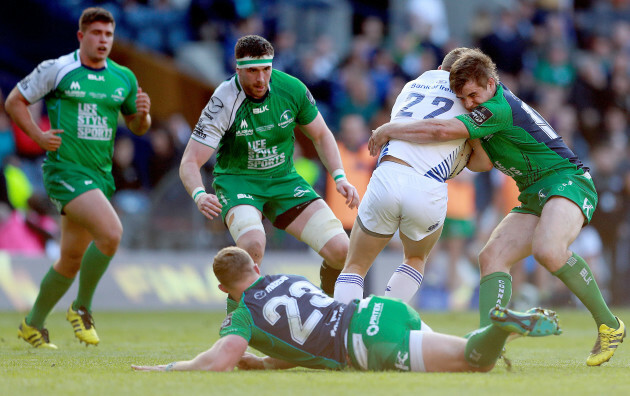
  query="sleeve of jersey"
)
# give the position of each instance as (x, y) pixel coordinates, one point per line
(129, 105)
(40, 82)
(215, 117)
(308, 108)
(237, 323)
(484, 120)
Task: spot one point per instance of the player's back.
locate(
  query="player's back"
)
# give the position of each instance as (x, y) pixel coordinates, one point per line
(287, 317)
(428, 96)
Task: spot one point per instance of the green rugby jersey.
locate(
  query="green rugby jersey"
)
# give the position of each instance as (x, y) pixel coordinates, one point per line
(84, 103)
(255, 137)
(519, 142)
(289, 318)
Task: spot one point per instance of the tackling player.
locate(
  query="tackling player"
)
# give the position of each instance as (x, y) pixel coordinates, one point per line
(557, 193)
(296, 324)
(84, 92)
(249, 122)
(407, 191)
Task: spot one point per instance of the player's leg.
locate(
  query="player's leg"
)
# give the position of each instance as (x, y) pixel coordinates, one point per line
(74, 241)
(92, 212)
(444, 353)
(245, 225)
(560, 223)
(317, 226)
(364, 247)
(407, 278)
(509, 242)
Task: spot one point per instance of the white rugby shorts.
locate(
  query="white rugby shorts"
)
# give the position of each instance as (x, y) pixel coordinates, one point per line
(398, 197)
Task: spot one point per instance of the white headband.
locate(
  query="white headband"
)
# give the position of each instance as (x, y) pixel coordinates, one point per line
(250, 61)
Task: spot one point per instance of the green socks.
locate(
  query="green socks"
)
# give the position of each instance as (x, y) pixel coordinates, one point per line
(93, 266)
(578, 277)
(53, 287)
(485, 345)
(494, 289)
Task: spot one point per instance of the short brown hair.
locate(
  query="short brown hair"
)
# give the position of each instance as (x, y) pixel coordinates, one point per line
(230, 264)
(95, 14)
(252, 45)
(472, 65)
(452, 56)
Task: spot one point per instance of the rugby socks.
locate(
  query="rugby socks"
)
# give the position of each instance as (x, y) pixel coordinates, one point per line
(53, 287)
(494, 289)
(348, 287)
(404, 283)
(577, 275)
(93, 266)
(485, 345)
(328, 276)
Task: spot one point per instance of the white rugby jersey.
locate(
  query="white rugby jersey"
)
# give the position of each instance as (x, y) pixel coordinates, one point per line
(428, 96)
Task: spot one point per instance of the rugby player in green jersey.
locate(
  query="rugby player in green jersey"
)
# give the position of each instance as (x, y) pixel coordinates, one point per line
(296, 324)
(249, 123)
(557, 194)
(84, 92)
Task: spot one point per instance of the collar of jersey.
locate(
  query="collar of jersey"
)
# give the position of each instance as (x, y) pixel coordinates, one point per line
(91, 68)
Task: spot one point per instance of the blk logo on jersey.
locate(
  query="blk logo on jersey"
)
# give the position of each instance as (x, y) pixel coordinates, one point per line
(259, 110)
(480, 115)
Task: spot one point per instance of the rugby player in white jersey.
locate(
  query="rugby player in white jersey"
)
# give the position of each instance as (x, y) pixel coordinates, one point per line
(407, 191)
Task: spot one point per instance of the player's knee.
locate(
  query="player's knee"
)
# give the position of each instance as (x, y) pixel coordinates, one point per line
(549, 256)
(335, 251)
(254, 246)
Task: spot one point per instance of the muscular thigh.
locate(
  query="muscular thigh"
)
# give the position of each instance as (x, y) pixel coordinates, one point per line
(560, 223)
(510, 242)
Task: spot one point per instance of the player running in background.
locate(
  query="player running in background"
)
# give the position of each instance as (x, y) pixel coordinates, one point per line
(249, 122)
(296, 324)
(407, 191)
(557, 194)
(84, 92)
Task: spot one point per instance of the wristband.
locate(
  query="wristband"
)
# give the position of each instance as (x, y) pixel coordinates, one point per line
(169, 367)
(338, 175)
(196, 194)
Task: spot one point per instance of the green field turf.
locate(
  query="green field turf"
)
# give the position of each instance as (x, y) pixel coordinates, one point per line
(541, 366)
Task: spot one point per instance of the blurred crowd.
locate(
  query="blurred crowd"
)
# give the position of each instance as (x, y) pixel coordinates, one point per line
(569, 60)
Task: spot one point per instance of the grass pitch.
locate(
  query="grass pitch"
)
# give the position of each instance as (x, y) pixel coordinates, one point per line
(541, 366)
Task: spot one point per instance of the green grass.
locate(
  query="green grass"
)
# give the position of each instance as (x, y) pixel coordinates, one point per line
(541, 366)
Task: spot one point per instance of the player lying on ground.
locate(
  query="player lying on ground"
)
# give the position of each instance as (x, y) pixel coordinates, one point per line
(296, 324)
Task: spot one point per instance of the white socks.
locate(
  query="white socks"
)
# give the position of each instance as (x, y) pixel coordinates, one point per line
(348, 287)
(404, 283)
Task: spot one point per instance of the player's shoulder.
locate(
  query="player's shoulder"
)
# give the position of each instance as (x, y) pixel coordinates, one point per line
(120, 70)
(285, 81)
(227, 91)
(53, 66)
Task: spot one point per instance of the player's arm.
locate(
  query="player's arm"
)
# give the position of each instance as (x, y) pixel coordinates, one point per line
(249, 361)
(140, 122)
(479, 160)
(328, 152)
(16, 106)
(223, 356)
(421, 131)
(195, 156)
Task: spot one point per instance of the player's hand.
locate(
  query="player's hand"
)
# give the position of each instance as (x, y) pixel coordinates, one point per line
(143, 102)
(249, 361)
(49, 140)
(378, 139)
(349, 192)
(160, 367)
(209, 205)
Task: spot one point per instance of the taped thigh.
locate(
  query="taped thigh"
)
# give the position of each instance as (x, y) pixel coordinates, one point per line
(245, 218)
(416, 360)
(321, 228)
